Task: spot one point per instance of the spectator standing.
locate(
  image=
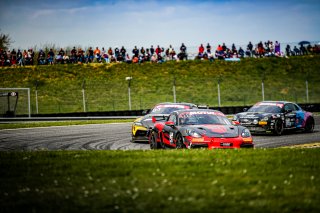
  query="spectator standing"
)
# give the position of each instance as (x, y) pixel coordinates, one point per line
(135, 52)
(73, 58)
(13, 57)
(123, 52)
(61, 52)
(116, 53)
(234, 49)
(97, 54)
(208, 47)
(303, 50)
(183, 52)
(90, 55)
(42, 57)
(260, 49)
(142, 51)
(249, 48)
(110, 52)
(81, 58)
(296, 50)
(151, 50)
(201, 50)
(147, 55)
(241, 52)
(104, 54)
(103, 51)
(224, 47)
(60, 56)
(28, 57)
(50, 57)
(272, 47)
(25, 57)
(288, 50)
(277, 48)
(19, 58)
(158, 50)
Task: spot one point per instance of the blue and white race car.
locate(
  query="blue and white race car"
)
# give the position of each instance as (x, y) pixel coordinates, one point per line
(275, 117)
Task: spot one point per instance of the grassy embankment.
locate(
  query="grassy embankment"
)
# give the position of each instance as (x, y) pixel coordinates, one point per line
(60, 86)
(273, 180)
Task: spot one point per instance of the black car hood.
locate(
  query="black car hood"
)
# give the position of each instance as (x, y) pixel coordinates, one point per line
(258, 115)
(146, 121)
(217, 131)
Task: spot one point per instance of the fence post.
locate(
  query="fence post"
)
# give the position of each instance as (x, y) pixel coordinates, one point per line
(129, 90)
(307, 91)
(83, 95)
(219, 99)
(174, 90)
(262, 89)
(37, 109)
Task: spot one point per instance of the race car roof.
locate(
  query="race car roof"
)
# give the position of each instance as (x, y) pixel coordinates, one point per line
(181, 103)
(277, 102)
(199, 110)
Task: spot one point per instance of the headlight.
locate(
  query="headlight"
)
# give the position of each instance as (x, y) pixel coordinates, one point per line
(246, 133)
(138, 123)
(193, 133)
(235, 118)
(265, 119)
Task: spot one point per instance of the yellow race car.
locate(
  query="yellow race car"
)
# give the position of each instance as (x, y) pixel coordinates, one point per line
(161, 111)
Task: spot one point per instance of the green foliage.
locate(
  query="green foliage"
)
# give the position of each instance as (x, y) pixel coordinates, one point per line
(5, 41)
(272, 180)
(59, 86)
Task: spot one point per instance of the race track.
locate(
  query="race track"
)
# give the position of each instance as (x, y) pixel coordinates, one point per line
(115, 137)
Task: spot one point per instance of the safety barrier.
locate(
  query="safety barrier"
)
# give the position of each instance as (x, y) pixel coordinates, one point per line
(311, 107)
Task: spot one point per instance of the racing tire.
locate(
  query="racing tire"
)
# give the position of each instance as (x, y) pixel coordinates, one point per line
(162, 145)
(179, 142)
(153, 141)
(278, 127)
(132, 139)
(309, 126)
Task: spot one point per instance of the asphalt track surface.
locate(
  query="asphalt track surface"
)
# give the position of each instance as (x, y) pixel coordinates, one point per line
(116, 137)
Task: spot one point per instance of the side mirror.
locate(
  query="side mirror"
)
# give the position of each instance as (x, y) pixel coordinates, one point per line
(144, 112)
(288, 111)
(245, 109)
(169, 123)
(154, 119)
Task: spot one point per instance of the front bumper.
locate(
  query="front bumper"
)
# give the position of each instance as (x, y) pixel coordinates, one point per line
(139, 133)
(260, 126)
(222, 143)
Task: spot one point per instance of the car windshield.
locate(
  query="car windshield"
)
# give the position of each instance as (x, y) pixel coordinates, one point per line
(203, 117)
(267, 108)
(167, 109)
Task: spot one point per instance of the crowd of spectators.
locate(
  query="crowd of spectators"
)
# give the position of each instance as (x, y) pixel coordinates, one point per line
(153, 54)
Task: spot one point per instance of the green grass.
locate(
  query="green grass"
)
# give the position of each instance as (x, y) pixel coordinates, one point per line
(58, 123)
(60, 86)
(258, 180)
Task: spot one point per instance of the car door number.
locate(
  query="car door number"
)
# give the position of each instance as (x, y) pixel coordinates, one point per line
(171, 137)
(288, 122)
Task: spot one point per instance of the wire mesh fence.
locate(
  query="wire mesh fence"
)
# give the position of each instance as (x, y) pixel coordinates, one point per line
(104, 96)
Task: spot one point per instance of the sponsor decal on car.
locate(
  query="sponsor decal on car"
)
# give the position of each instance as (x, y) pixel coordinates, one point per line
(197, 139)
(262, 123)
(269, 104)
(225, 144)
